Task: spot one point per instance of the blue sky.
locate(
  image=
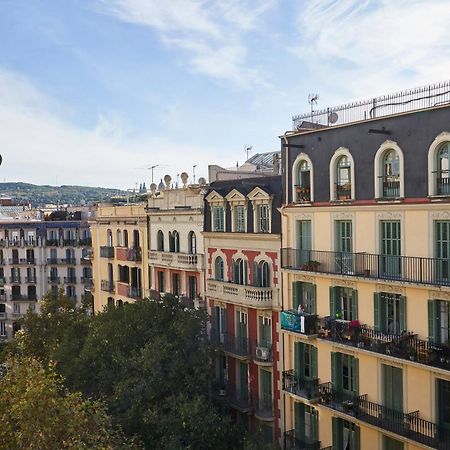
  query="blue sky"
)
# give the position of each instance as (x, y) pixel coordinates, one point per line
(94, 91)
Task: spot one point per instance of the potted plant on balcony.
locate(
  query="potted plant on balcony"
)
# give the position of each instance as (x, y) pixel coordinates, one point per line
(311, 266)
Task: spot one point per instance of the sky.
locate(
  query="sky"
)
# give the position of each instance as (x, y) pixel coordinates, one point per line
(94, 92)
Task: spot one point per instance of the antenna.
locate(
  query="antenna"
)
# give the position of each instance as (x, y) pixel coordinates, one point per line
(151, 168)
(312, 100)
(248, 149)
(193, 171)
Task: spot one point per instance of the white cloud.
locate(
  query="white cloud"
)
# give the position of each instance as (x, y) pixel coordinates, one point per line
(38, 146)
(210, 32)
(368, 47)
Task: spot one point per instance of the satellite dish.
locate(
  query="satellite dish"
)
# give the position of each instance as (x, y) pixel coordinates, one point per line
(332, 117)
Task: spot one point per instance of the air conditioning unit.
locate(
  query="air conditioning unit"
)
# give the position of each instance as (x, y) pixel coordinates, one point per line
(222, 392)
(262, 353)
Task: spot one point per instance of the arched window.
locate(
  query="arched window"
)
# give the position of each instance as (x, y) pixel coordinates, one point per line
(303, 186)
(109, 238)
(119, 238)
(261, 276)
(125, 238)
(442, 170)
(390, 178)
(240, 271)
(160, 241)
(219, 269)
(343, 178)
(174, 242)
(192, 242)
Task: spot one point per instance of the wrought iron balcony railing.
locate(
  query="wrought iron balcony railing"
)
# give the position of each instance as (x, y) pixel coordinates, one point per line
(302, 194)
(413, 269)
(390, 186)
(299, 322)
(300, 386)
(293, 441)
(106, 252)
(235, 345)
(442, 182)
(54, 279)
(70, 280)
(107, 286)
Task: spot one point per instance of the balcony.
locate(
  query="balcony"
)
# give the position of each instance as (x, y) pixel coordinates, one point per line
(106, 252)
(14, 261)
(442, 182)
(239, 400)
(86, 242)
(70, 261)
(390, 186)
(14, 279)
(299, 386)
(52, 242)
(87, 281)
(129, 254)
(302, 323)
(54, 280)
(408, 425)
(264, 408)
(70, 242)
(292, 441)
(86, 261)
(249, 296)
(237, 346)
(107, 286)
(52, 260)
(302, 194)
(70, 280)
(184, 261)
(411, 269)
(405, 346)
(343, 191)
(23, 298)
(3, 315)
(31, 261)
(134, 292)
(30, 280)
(262, 353)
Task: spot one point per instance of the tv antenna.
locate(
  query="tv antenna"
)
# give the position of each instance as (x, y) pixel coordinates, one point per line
(152, 168)
(248, 149)
(312, 100)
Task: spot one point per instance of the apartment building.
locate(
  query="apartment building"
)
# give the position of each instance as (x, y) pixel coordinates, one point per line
(242, 248)
(38, 256)
(120, 269)
(366, 275)
(176, 255)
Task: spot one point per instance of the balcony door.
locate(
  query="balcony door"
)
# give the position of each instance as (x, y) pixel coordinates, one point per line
(344, 247)
(243, 381)
(392, 389)
(306, 424)
(241, 330)
(442, 251)
(304, 241)
(391, 249)
(265, 392)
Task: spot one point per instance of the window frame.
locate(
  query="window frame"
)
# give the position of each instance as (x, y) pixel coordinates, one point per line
(385, 148)
(337, 156)
(297, 185)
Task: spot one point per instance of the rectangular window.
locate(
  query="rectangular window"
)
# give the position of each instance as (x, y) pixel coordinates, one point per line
(442, 251)
(346, 435)
(306, 425)
(344, 247)
(391, 248)
(391, 444)
(439, 321)
(220, 322)
(239, 218)
(160, 281)
(2, 329)
(265, 399)
(265, 332)
(443, 403)
(218, 221)
(344, 373)
(304, 297)
(241, 332)
(243, 381)
(392, 388)
(390, 313)
(264, 219)
(344, 303)
(16, 308)
(304, 241)
(305, 361)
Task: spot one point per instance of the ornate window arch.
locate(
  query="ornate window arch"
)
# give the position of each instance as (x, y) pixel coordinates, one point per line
(174, 241)
(219, 272)
(109, 238)
(302, 179)
(240, 271)
(160, 241)
(119, 238)
(261, 274)
(342, 175)
(438, 165)
(192, 243)
(388, 171)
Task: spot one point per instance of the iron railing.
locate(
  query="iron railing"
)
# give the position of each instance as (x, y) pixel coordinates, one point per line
(413, 269)
(106, 252)
(299, 322)
(442, 182)
(70, 280)
(300, 386)
(107, 286)
(390, 185)
(292, 441)
(400, 102)
(302, 193)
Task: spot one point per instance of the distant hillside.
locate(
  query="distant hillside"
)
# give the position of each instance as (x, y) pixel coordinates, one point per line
(25, 193)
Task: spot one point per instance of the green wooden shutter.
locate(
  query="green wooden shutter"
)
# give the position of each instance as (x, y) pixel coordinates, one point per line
(354, 315)
(355, 375)
(333, 301)
(402, 313)
(336, 370)
(356, 438)
(313, 362)
(299, 361)
(314, 300)
(337, 433)
(433, 321)
(299, 412)
(377, 309)
(297, 293)
(314, 424)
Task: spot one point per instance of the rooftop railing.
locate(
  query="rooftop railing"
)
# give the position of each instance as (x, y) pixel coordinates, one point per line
(386, 105)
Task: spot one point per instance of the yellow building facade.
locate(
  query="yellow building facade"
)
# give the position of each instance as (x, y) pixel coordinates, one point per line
(366, 283)
(120, 256)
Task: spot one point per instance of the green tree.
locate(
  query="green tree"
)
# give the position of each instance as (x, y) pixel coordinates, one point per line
(36, 412)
